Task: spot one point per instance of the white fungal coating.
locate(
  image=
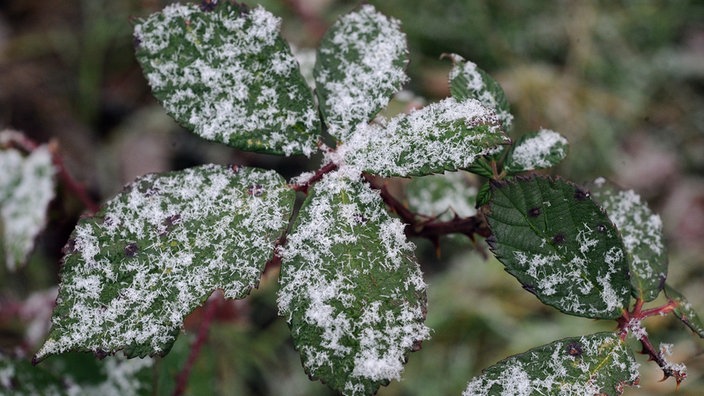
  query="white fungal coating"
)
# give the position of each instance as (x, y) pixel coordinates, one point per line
(642, 235)
(159, 249)
(350, 287)
(584, 366)
(541, 151)
(208, 70)
(466, 77)
(26, 188)
(361, 64)
(446, 135)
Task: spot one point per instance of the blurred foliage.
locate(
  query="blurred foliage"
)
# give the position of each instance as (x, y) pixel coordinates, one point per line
(622, 80)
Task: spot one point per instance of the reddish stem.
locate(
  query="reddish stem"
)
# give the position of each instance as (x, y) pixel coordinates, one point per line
(211, 307)
(662, 310)
(22, 142)
(430, 228)
(638, 314)
(76, 188)
(325, 169)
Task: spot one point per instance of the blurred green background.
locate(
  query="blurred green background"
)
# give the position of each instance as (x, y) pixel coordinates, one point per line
(622, 80)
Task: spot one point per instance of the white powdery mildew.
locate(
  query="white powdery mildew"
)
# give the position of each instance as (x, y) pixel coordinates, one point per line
(641, 231)
(444, 196)
(579, 367)
(553, 273)
(362, 63)
(535, 152)
(206, 67)
(665, 353)
(159, 249)
(120, 378)
(349, 279)
(446, 135)
(26, 188)
(474, 82)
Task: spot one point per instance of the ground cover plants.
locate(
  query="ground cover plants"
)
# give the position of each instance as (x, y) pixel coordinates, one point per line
(351, 288)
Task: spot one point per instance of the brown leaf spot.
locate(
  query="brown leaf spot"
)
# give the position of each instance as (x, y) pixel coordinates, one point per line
(581, 194)
(558, 239)
(574, 348)
(131, 249)
(255, 190)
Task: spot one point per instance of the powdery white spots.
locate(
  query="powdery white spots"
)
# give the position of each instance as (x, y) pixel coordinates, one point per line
(446, 135)
(26, 188)
(636, 329)
(566, 273)
(229, 76)
(442, 196)
(466, 77)
(569, 254)
(361, 64)
(158, 250)
(665, 353)
(350, 288)
(583, 366)
(543, 150)
(641, 232)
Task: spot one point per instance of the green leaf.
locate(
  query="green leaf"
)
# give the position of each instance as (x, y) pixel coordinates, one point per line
(684, 311)
(536, 150)
(482, 167)
(597, 364)
(351, 288)
(467, 81)
(560, 245)
(76, 374)
(447, 135)
(641, 231)
(26, 187)
(442, 196)
(157, 250)
(361, 63)
(18, 377)
(484, 194)
(228, 75)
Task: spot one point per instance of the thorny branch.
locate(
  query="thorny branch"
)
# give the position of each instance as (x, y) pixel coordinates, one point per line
(327, 168)
(625, 323)
(430, 228)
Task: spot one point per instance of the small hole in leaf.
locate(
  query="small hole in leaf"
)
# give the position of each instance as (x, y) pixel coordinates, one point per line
(255, 190)
(581, 194)
(534, 212)
(601, 228)
(574, 348)
(558, 239)
(131, 249)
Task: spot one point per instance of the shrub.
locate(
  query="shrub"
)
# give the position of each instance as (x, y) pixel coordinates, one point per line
(351, 288)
